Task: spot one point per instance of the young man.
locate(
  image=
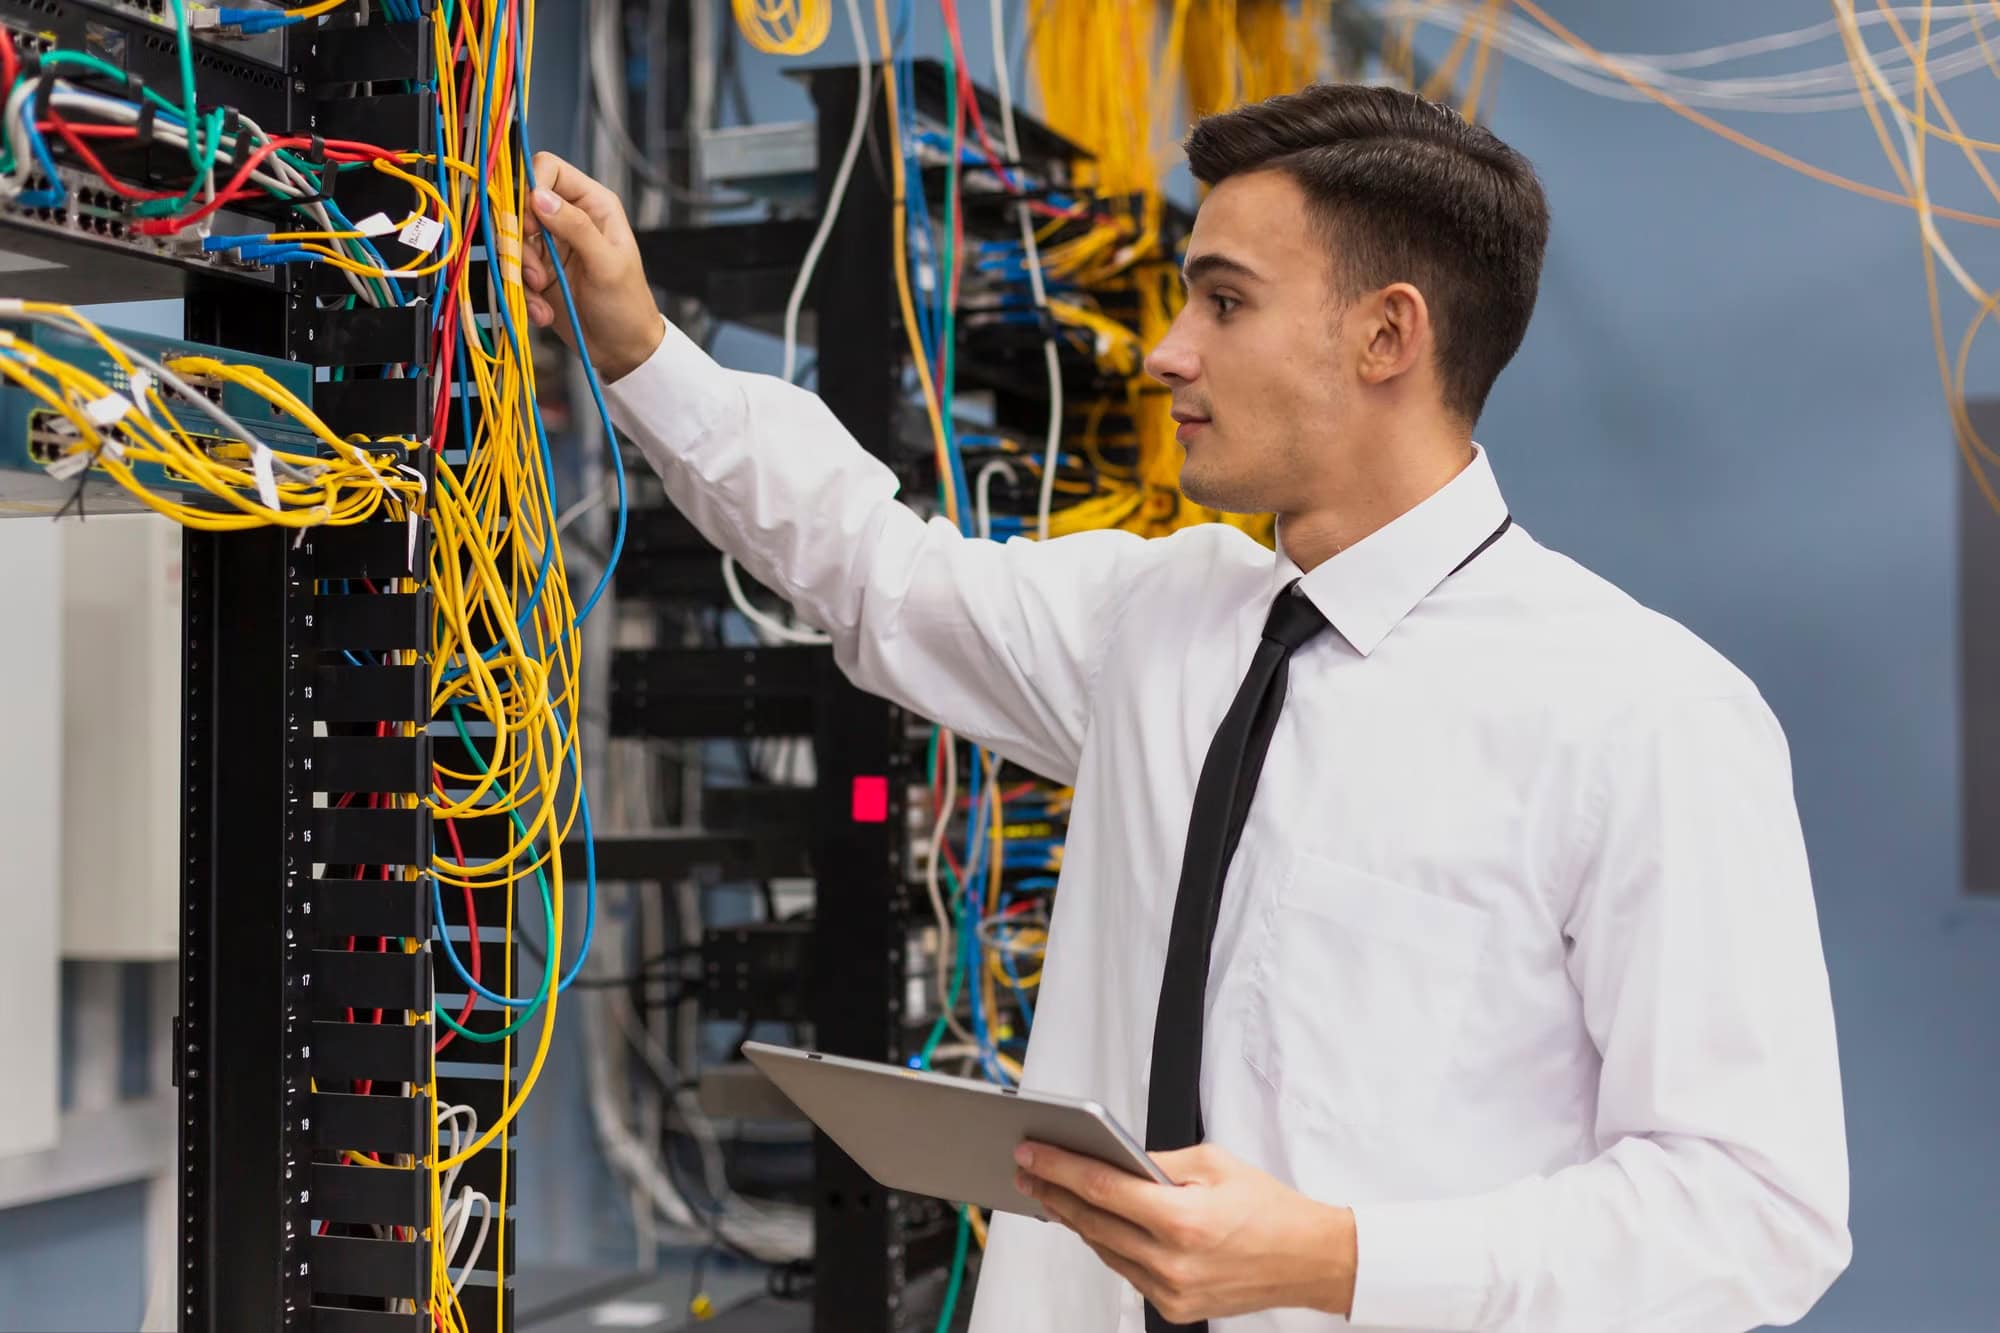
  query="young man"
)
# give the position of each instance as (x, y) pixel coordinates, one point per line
(1502, 1004)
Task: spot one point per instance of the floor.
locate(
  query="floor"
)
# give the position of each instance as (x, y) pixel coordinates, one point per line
(570, 1300)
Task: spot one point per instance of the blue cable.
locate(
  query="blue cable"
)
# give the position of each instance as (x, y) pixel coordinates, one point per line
(589, 370)
(451, 956)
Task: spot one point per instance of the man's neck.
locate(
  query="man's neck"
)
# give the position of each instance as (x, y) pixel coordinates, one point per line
(1368, 500)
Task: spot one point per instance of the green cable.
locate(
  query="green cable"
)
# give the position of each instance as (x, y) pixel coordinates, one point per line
(548, 917)
(957, 1271)
(185, 48)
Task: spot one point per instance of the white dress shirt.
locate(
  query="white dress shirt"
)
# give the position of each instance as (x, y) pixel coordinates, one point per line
(1518, 956)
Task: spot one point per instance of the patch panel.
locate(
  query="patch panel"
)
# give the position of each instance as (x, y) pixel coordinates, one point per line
(28, 40)
(94, 214)
(267, 47)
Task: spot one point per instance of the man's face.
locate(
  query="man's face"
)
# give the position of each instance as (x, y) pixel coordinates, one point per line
(1252, 359)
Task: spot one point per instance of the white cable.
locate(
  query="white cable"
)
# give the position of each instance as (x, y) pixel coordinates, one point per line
(1824, 88)
(1052, 361)
(983, 492)
(769, 624)
(934, 858)
(468, 1199)
(837, 193)
(1926, 221)
(587, 504)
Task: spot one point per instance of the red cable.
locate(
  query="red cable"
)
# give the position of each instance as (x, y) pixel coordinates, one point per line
(471, 922)
(10, 64)
(970, 96)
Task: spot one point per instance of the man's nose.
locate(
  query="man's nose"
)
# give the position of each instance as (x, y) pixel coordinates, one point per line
(1173, 361)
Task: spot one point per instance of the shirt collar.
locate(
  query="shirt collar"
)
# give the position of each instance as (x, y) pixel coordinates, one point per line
(1367, 589)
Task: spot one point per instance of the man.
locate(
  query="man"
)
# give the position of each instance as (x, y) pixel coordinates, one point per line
(1502, 1004)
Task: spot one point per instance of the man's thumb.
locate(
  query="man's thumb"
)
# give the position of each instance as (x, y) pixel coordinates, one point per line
(569, 225)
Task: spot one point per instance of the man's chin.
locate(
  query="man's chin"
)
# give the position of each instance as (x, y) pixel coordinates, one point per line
(1218, 493)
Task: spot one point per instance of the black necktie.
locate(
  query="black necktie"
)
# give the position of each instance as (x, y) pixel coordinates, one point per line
(1221, 803)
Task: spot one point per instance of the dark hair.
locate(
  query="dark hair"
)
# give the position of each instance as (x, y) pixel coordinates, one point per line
(1408, 191)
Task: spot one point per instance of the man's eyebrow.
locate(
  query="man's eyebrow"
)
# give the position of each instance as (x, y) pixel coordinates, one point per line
(1202, 266)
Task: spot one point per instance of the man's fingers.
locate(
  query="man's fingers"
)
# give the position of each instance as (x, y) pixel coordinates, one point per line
(581, 192)
(541, 312)
(1105, 1231)
(1096, 1183)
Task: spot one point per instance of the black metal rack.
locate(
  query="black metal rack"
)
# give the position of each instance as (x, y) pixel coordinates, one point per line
(282, 717)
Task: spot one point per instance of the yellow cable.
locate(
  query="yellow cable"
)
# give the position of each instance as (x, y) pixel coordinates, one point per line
(898, 205)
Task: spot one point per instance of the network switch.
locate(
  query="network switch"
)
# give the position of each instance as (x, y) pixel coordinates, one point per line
(33, 436)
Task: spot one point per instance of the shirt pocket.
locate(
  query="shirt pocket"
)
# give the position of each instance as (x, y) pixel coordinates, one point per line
(1360, 993)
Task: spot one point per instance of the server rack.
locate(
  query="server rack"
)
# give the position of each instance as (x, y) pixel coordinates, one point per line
(285, 685)
(881, 1259)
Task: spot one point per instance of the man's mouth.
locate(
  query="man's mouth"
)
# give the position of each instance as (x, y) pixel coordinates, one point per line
(1190, 424)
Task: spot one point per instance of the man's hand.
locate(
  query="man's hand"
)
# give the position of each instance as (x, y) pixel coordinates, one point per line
(1227, 1240)
(587, 225)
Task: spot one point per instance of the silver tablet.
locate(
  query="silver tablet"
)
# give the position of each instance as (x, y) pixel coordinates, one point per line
(951, 1138)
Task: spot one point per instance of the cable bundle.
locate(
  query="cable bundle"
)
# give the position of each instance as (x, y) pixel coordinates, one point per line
(96, 427)
(784, 27)
(97, 110)
(1239, 51)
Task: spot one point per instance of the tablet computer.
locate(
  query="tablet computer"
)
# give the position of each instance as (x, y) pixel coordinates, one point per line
(950, 1138)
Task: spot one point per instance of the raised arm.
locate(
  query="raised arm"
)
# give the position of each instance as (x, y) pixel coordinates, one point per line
(999, 643)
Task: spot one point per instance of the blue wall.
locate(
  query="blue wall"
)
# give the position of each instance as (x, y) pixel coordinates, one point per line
(1729, 405)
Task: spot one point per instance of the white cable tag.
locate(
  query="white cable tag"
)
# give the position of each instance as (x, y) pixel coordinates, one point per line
(416, 518)
(142, 388)
(375, 224)
(111, 407)
(69, 465)
(267, 478)
(422, 234)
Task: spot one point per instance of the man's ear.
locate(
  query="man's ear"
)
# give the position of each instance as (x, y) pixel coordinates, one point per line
(1393, 326)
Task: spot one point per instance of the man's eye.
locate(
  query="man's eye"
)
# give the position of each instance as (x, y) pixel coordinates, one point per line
(1224, 304)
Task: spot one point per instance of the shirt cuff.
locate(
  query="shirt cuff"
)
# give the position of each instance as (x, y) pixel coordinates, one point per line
(1421, 1265)
(679, 391)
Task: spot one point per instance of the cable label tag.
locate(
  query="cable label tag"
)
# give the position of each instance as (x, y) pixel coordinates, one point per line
(422, 234)
(142, 388)
(375, 224)
(267, 477)
(69, 465)
(111, 407)
(507, 237)
(416, 519)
